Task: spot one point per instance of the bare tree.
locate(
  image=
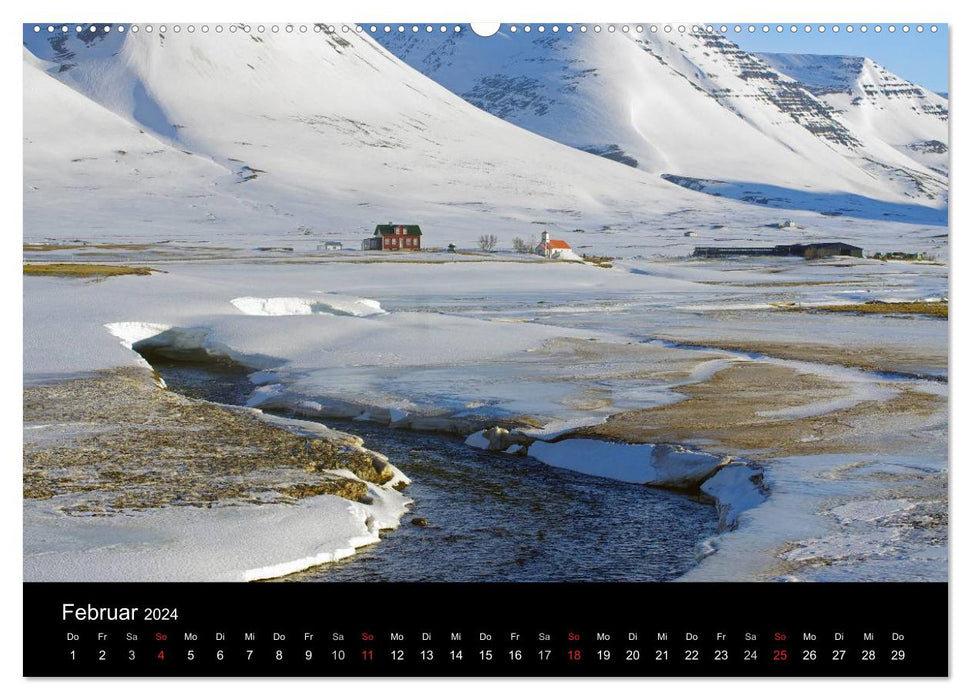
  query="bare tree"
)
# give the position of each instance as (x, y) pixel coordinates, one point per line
(522, 246)
(488, 242)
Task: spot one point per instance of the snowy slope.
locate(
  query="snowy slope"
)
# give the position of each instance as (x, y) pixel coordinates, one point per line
(319, 129)
(87, 170)
(871, 99)
(690, 106)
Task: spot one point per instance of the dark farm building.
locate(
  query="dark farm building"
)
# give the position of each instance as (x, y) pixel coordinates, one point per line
(806, 250)
(394, 237)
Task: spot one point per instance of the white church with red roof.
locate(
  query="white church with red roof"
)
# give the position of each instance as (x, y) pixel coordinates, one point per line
(555, 248)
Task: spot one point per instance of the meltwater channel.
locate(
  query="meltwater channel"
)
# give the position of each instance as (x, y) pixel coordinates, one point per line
(496, 517)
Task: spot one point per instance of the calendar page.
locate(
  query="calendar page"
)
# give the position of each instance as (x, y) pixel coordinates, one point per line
(519, 349)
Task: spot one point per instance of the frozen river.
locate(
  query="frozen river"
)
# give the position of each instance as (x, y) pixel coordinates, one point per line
(493, 517)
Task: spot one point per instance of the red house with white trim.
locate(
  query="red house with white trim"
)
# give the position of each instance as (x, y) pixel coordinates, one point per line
(394, 237)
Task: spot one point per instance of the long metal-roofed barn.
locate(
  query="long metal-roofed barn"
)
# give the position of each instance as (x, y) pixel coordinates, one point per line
(805, 250)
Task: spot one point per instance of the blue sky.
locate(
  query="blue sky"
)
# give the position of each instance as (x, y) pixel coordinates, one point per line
(919, 57)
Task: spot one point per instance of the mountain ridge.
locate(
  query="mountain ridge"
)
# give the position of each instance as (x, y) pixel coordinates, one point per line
(589, 92)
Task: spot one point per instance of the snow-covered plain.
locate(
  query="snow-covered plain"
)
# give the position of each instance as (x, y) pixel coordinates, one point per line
(222, 161)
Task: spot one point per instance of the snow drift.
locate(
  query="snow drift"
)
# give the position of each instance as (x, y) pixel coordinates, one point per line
(296, 306)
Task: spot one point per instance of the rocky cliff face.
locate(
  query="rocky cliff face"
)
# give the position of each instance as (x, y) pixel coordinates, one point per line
(869, 97)
(762, 83)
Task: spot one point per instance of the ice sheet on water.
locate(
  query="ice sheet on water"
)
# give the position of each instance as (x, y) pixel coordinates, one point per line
(238, 543)
(297, 306)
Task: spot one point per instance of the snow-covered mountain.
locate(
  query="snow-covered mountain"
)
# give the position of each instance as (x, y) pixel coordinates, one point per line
(193, 135)
(871, 99)
(318, 129)
(693, 107)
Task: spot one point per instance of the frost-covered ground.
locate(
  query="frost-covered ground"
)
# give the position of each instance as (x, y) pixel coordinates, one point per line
(553, 347)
